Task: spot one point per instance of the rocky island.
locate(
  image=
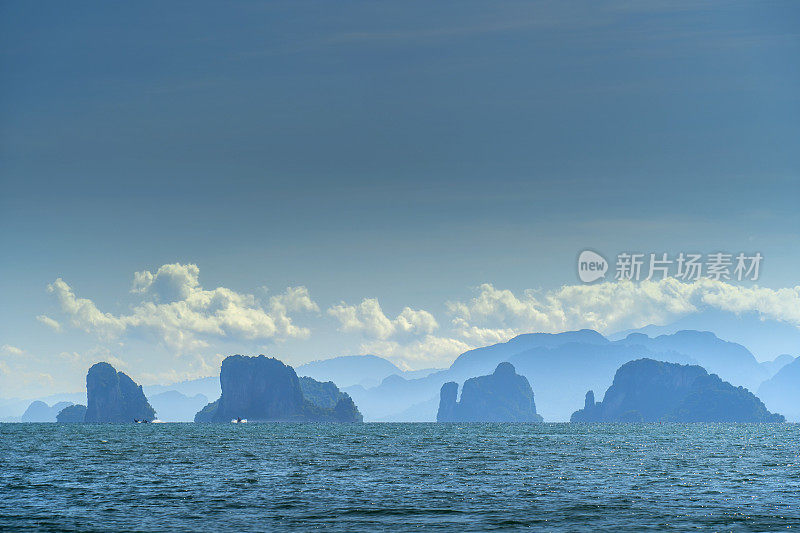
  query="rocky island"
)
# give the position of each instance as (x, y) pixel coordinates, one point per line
(503, 396)
(73, 414)
(113, 397)
(264, 389)
(646, 390)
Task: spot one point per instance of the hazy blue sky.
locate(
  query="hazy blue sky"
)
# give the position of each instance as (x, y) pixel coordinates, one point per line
(407, 152)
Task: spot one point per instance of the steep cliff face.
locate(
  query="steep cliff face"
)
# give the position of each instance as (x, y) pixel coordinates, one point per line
(113, 397)
(503, 396)
(653, 391)
(589, 402)
(263, 389)
(448, 403)
(329, 403)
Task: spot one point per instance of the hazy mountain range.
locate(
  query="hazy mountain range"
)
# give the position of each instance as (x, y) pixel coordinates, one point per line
(560, 368)
(363, 370)
(765, 338)
(172, 406)
(781, 392)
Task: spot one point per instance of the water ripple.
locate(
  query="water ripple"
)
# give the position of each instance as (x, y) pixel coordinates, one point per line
(460, 477)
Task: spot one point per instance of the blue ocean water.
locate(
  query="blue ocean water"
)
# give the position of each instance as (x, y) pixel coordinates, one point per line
(427, 477)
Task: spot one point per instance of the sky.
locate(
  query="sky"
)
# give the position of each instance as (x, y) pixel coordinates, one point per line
(184, 181)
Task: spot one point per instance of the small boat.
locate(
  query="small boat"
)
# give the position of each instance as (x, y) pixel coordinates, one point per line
(239, 421)
(157, 421)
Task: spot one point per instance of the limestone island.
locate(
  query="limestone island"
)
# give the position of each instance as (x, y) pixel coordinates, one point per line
(113, 397)
(646, 390)
(503, 396)
(261, 389)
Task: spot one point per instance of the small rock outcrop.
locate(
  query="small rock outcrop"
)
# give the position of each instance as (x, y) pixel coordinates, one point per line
(503, 396)
(264, 389)
(74, 414)
(322, 394)
(646, 390)
(326, 396)
(113, 397)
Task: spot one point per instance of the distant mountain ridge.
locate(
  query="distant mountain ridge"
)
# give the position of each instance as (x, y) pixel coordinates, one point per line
(765, 338)
(172, 406)
(39, 411)
(782, 391)
(563, 366)
(774, 366)
(351, 370)
(207, 386)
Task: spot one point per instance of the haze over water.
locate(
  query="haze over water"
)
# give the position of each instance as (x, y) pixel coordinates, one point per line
(174, 477)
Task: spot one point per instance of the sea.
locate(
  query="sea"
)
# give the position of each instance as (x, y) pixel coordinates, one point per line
(399, 477)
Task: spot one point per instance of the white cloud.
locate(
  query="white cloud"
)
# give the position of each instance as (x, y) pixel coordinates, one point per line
(21, 372)
(369, 319)
(420, 353)
(49, 322)
(83, 313)
(170, 283)
(496, 314)
(20, 379)
(7, 349)
(180, 314)
(406, 339)
(194, 366)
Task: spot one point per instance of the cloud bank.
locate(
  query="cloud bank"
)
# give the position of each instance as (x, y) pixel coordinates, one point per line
(612, 306)
(495, 315)
(177, 313)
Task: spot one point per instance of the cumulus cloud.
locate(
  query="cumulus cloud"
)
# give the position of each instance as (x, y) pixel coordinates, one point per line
(49, 322)
(83, 313)
(406, 339)
(179, 313)
(494, 315)
(369, 319)
(170, 283)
